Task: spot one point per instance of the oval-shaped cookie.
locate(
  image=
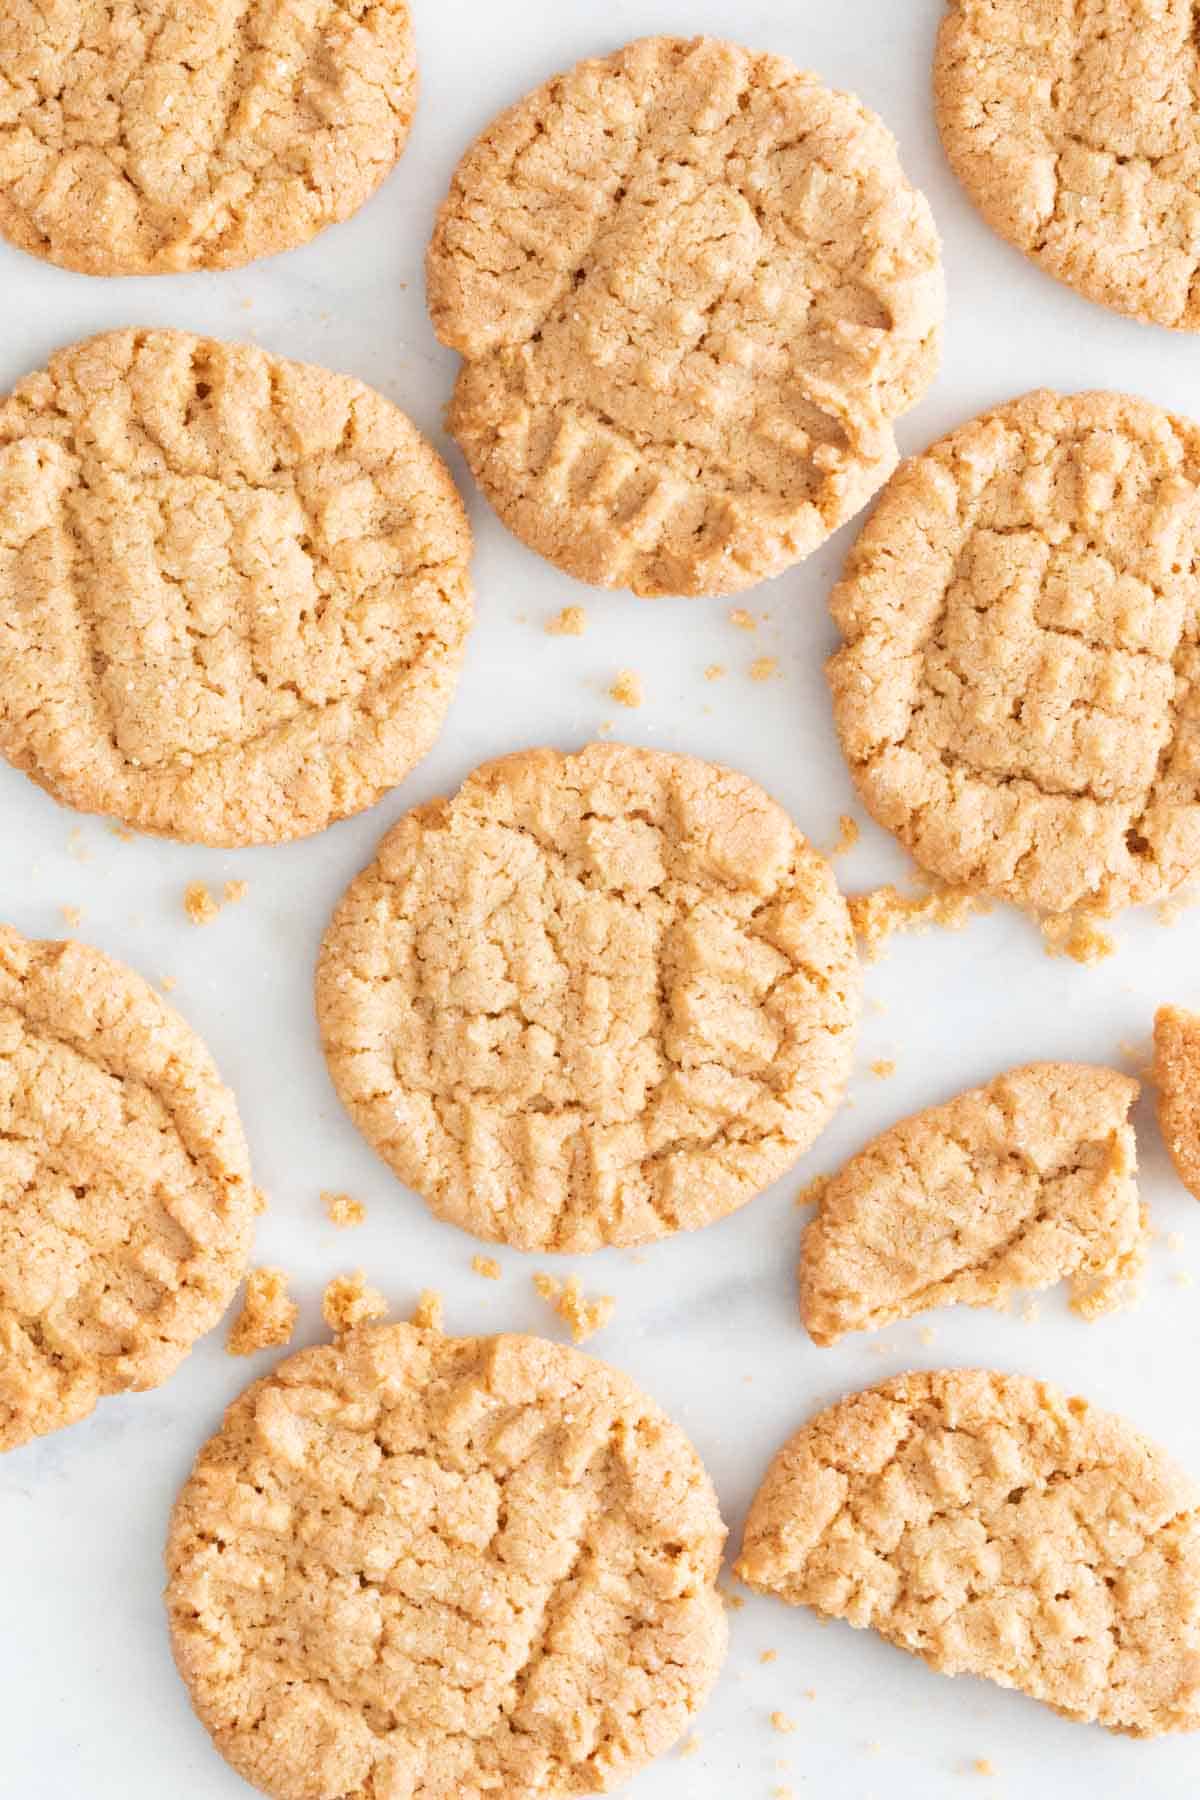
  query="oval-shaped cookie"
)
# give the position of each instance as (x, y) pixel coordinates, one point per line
(1076, 132)
(412, 1564)
(693, 291)
(1177, 1078)
(592, 999)
(1017, 697)
(994, 1527)
(150, 137)
(126, 1204)
(1019, 1184)
(235, 588)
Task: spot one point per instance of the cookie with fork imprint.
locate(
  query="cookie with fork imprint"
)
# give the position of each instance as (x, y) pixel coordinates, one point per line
(422, 1565)
(592, 999)
(693, 291)
(150, 138)
(994, 1527)
(1076, 132)
(126, 1204)
(235, 588)
(1020, 1184)
(1018, 695)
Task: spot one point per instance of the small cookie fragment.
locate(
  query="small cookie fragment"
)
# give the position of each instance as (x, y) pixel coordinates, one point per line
(764, 668)
(591, 999)
(199, 904)
(1020, 1184)
(342, 1209)
(570, 622)
(878, 914)
(268, 1317)
(693, 291)
(429, 1312)
(487, 1267)
(235, 891)
(994, 1527)
(1176, 1075)
(349, 1301)
(532, 1540)
(585, 1317)
(627, 689)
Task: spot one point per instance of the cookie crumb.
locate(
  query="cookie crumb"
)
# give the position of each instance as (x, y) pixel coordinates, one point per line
(343, 1210)
(883, 1067)
(199, 904)
(768, 1656)
(690, 1745)
(430, 1311)
(714, 671)
(585, 1317)
(168, 984)
(122, 831)
(570, 622)
(763, 668)
(235, 891)
(781, 1793)
(268, 1318)
(782, 1723)
(848, 836)
(73, 916)
(487, 1267)
(627, 689)
(880, 912)
(348, 1301)
(983, 1765)
(1078, 936)
(745, 621)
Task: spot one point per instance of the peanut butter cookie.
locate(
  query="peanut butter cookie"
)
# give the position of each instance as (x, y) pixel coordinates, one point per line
(417, 1565)
(234, 588)
(994, 1527)
(592, 999)
(1076, 132)
(1018, 696)
(693, 291)
(1019, 1184)
(1177, 1078)
(150, 137)
(126, 1205)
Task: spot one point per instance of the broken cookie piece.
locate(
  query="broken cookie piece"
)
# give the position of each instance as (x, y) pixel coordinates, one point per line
(1177, 1078)
(268, 1317)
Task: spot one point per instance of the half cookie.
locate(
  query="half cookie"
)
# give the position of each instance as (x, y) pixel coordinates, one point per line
(693, 291)
(993, 1527)
(412, 1564)
(592, 999)
(1019, 1184)
(153, 137)
(1177, 1078)
(1076, 132)
(126, 1205)
(1017, 696)
(235, 588)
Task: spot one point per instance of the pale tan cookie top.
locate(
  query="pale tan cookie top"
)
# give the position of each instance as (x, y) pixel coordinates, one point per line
(126, 1205)
(994, 1527)
(693, 290)
(235, 588)
(452, 1568)
(1018, 697)
(1075, 129)
(592, 999)
(151, 137)
(1177, 1078)
(1019, 1184)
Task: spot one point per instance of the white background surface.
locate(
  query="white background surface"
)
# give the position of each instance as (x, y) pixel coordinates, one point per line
(90, 1707)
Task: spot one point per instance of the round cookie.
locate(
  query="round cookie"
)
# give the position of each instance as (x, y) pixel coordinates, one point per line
(1076, 132)
(126, 1205)
(150, 137)
(592, 999)
(411, 1564)
(1018, 697)
(235, 588)
(693, 290)
(994, 1527)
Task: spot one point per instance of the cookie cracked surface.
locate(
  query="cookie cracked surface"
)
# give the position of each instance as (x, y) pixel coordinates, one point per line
(592, 999)
(994, 1527)
(1177, 1078)
(235, 588)
(1020, 1184)
(1018, 696)
(693, 291)
(150, 137)
(445, 1568)
(126, 1204)
(1076, 132)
